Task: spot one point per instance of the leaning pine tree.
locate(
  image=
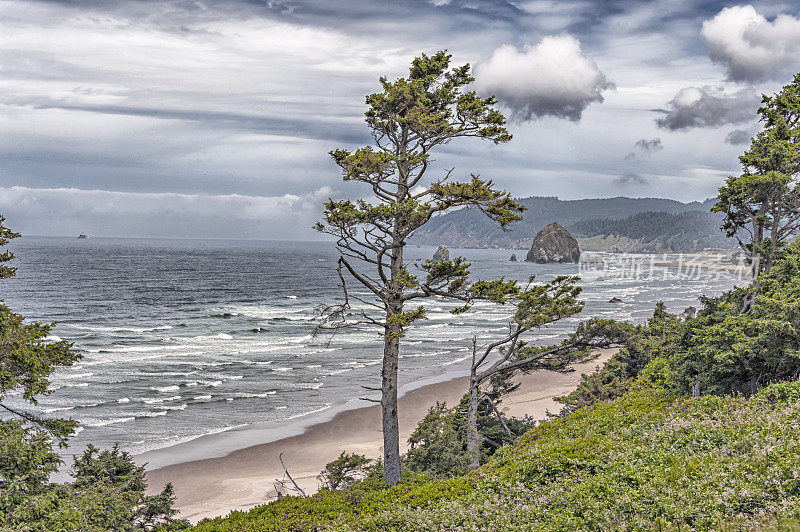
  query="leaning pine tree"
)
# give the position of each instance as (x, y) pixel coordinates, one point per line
(408, 119)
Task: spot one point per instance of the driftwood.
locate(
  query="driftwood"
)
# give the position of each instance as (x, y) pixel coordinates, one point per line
(282, 483)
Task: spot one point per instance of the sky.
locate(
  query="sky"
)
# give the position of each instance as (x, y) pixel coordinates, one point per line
(185, 118)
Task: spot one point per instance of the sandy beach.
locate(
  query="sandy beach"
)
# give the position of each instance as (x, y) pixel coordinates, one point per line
(246, 478)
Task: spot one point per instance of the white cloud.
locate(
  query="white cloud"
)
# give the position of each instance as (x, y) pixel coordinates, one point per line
(750, 47)
(103, 212)
(552, 78)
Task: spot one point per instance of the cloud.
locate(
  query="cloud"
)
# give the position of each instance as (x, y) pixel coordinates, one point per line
(630, 179)
(750, 47)
(738, 137)
(111, 213)
(552, 78)
(645, 147)
(701, 107)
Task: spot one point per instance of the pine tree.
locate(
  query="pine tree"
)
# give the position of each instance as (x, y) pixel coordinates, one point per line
(408, 119)
(762, 206)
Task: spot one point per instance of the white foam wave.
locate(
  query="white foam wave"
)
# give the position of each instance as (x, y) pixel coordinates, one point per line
(165, 389)
(320, 409)
(77, 376)
(156, 400)
(105, 422)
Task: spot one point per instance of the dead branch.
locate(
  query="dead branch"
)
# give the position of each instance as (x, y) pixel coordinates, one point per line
(286, 473)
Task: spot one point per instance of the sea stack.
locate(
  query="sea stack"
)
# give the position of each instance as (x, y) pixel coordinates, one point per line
(554, 244)
(442, 253)
(513, 257)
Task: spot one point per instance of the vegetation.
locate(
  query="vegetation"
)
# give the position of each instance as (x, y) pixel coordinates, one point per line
(762, 206)
(408, 119)
(652, 232)
(723, 350)
(107, 488)
(645, 461)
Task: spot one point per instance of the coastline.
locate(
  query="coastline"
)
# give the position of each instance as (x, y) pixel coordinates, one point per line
(245, 477)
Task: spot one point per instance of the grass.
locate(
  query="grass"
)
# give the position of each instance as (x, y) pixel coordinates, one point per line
(646, 461)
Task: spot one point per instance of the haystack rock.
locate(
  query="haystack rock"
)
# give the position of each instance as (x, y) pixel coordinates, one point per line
(554, 244)
(442, 253)
(513, 257)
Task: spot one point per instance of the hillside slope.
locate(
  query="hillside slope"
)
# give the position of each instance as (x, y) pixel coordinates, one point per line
(653, 232)
(644, 461)
(470, 228)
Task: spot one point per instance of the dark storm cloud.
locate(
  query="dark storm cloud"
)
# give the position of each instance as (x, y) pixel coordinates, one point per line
(645, 147)
(631, 179)
(696, 107)
(737, 137)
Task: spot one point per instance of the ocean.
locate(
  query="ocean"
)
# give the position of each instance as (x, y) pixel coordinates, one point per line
(184, 338)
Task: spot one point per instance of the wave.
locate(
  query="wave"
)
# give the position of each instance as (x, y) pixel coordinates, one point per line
(320, 409)
(120, 329)
(52, 338)
(165, 389)
(181, 406)
(155, 400)
(105, 422)
(57, 409)
(76, 375)
(254, 395)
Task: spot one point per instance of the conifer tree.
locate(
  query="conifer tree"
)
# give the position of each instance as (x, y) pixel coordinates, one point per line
(762, 206)
(408, 119)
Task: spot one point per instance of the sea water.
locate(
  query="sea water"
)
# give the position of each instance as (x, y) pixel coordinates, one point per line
(182, 338)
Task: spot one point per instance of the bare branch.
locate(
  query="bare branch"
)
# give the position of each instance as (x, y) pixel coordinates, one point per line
(286, 472)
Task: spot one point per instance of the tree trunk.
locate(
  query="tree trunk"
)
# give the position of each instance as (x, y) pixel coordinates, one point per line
(390, 423)
(391, 355)
(472, 418)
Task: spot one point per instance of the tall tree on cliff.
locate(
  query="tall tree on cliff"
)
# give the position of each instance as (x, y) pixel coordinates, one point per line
(762, 206)
(408, 119)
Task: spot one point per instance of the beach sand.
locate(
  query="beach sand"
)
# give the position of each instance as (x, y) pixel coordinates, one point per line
(247, 477)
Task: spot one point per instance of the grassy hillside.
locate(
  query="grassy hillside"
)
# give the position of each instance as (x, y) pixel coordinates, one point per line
(643, 461)
(469, 228)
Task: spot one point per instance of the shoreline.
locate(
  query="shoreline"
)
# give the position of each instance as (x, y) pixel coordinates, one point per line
(244, 477)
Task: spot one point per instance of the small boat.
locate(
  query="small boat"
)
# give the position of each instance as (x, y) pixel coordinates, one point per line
(83, 235)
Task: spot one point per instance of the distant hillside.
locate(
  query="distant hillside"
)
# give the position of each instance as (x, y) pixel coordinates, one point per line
(653, 232)
(470, 228)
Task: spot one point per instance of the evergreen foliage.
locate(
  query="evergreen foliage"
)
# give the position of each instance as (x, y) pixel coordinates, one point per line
(762, 206)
